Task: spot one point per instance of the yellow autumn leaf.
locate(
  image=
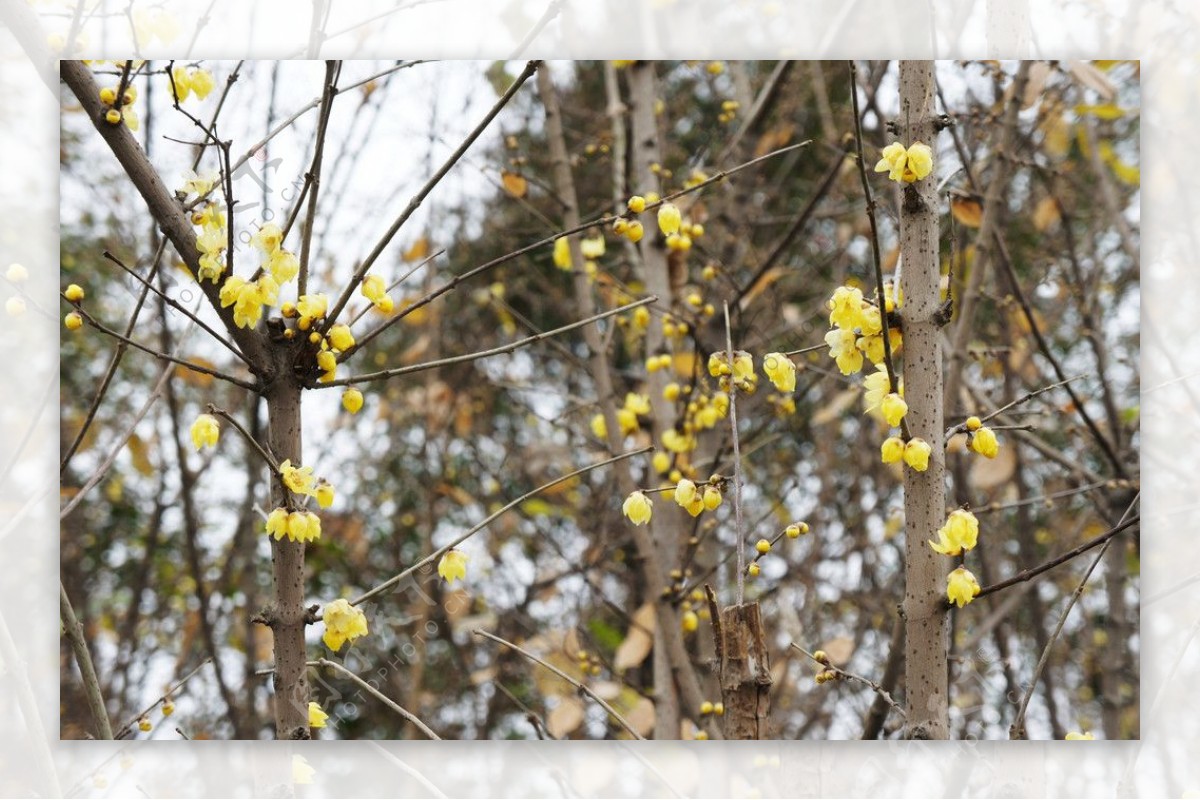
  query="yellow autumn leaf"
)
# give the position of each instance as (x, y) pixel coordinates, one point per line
(514, 184)
(967, 210)
(418, 250)
(139, 454)
(193, 378)
(1045, 214)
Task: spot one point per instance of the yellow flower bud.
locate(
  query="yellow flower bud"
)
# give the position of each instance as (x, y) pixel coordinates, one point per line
(74, 293)
(916, 454)
(892, 450)
(690, 622)
(712, 497)
(638, 508)
(352, 400)
(983, 441)
(973, 423)
(108, 95)
(762, 546)
(637, 204)
(113, 117)
(635, 232)
(73, 321)
(669, 218)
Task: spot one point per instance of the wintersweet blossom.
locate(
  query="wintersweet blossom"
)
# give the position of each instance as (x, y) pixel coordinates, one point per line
(892, 450)
(316, 715)
(894, 408)
(352, 400)
(845, 308)
(781, 371)
(343, 623)
(669, 218)
(453, 566)
(638, 508)
(916, 454)
(685, 492)
(961, 587)
(205, 431)
(961, 532)
(906, 165)
(297, 479)
(983, 441)
(843, 350)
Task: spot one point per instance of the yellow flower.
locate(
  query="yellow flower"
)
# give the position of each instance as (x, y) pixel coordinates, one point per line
(753, 570)
(200, 183)
(277, 523)
(842, 349)
(627, 420)
(669, 218)
(696, 506)
(795, 530)
(961, 532)
(961, 587)
(312, 305)
(181, 82)
(599, 427)
(108, 95)
(712, 497)
(205, 431)
(845, 308)
(1074, 736)
(677, 442)
(718, 364)
(636, 204)
(906, 165)
(268, 238)
(690, 621)
(343, 623)
(74, 293)
(298, 479)
(453, 566)
(892, 450)
(762, 546)
(916, 454)
(303, 526)
(283, 265)
(973, 423)
(685, 492)
(637, 403)
(661, 462)
(562, 253)
(877, 385)
(327, 361)
(112, 117)
(352, 400)
(894, 408)
(168, 707)
(870, 323)
(782, 372)
(385, 305)
(373, 288)
(324, 494)
(316, 715)
(983, 441)
(73, 321)
(144, 725)
(202, 82)
(341, 338)
(638, 508)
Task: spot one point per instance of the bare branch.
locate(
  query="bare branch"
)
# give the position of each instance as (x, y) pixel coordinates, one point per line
(378, 695)
(581, 687)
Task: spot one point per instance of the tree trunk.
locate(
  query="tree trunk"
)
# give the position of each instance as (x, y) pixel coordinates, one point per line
(287, 620)
(745, 671)
(924, 492)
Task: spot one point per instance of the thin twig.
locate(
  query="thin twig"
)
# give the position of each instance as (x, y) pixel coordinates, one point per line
(887, 698)
(175, 304)
(170, 692)
(1017, 729)
(420, 196)
(739, 531)
(601, 221)
(162, 356)
(225, 415)
(429, 559)
(87, 670)
(1033, 572)
(583, 688)
(390, 703)
(962, 426)
(508, 348)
